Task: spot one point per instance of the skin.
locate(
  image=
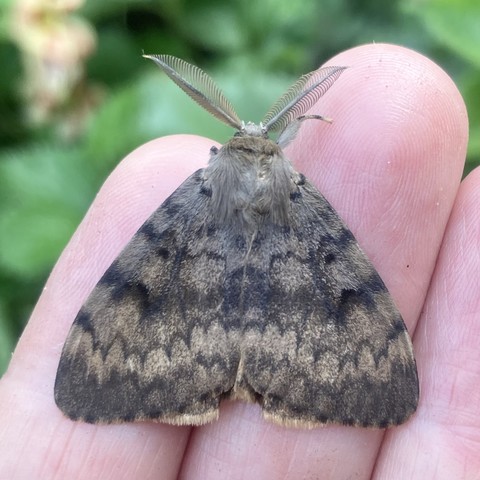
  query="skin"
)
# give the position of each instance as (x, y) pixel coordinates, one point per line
(391, 165)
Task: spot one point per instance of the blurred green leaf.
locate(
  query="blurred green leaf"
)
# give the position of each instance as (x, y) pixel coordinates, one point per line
(206, 24)
(7, 339)
(5, 18)
(454, 23)
(33, 237)
(45, 191)
(116, 59)
(471, 92)
(11, 127)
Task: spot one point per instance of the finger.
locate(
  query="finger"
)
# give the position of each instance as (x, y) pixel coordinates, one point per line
(32, 425)
(446, 438)
(390, 164)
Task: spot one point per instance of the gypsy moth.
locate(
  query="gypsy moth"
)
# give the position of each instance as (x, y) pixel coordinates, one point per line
(244, 283)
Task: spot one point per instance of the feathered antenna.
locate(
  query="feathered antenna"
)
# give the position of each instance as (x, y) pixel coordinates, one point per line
(199, 86)
(300, 97)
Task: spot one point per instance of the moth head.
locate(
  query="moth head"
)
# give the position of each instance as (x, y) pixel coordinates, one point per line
(252, 129)
(286, 114)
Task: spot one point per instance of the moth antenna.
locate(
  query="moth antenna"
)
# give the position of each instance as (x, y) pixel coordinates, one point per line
(199, 86)
(300, 97)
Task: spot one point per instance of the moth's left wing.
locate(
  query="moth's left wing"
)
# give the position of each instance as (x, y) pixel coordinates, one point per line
(150, 342)
(323, 341)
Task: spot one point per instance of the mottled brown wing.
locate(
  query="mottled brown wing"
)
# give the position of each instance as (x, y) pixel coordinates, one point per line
(151, 340)
(323, 341)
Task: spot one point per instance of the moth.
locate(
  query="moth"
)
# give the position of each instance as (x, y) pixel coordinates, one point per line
(244, 284)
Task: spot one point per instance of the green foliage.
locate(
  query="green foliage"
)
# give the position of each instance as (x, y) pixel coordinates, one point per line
(7, 337)
(253, 50)
(44, 196)
(455, 24)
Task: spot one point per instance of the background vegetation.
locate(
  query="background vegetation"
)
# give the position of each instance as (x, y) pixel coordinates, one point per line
(76, 95)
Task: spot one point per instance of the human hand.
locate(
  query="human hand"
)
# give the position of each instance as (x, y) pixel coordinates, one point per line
(390, 164)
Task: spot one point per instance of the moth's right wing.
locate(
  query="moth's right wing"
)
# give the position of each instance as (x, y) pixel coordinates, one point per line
(150, 342)
(323, 342)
